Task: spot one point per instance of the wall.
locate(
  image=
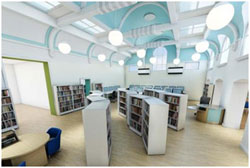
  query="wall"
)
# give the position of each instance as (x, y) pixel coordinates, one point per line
(32, 85)
(192, 80)
(12, 82)
(244, 141)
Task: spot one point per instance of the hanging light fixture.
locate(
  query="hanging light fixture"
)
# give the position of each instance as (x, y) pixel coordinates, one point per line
(101, 57)
(141, 53)
(196, 57)
(152, 60)
(139, 63)
(202, 46)
(115, 37)
(176, 61)
(220, 16)
(64, 47)
(121, 62)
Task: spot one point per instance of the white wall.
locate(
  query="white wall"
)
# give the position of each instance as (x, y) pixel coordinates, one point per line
(244, 141)
(217, 92)
(10, 75)
(32, 84)
(192, 80)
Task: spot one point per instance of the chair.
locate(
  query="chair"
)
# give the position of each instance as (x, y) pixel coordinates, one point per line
(113, 96)
(22, 164)
(54, 142)
(178, 90)
(170, 90)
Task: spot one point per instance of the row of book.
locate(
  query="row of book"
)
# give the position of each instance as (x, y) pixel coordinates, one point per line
(122, 99)
(77, 87)
(64, 99)
(5, 92)
(137, 102)
(172, 122)
(64, 93)
(136, 118)
(78, 105)
(8, 116)
(136, 110)
(7, 108)
(172, 99)
(123, 111)
(9, 123)
(67, 108)
(173, 107)
(77, 92)
(63, 88)
(173, 115)
(66, 103)
(148, 93)
(122, 94)
(78, 97)
(135, 125)
(6, 100)
(146, 107)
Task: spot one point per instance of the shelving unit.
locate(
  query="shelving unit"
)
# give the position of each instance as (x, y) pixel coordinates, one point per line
(69, 98)
(177, 109)
(208, 91)
(136, 112)
(154, 135)
(97, 133)
(123, 101)
(154, 93)
(9, 120)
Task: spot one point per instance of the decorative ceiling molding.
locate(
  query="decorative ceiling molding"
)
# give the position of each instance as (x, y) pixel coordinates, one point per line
(137, 6)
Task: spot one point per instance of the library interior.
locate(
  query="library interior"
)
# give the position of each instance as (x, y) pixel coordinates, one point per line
(125, 83)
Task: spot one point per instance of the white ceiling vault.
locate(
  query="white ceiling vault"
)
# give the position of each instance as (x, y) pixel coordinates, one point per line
(85, 20)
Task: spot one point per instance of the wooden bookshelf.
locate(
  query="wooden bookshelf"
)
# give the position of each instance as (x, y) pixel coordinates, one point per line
(97, 133)
(9, 120)
(69, 98)
(177, 109)
(154, 134)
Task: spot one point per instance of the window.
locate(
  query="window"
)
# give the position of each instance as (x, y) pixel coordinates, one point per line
(133, 68)
(160, 54)
(194, 29)
(192, 65)
(245, 46)
(211, 55)
(44, 5)
(88, 26)
(224, 46)
(189, 6)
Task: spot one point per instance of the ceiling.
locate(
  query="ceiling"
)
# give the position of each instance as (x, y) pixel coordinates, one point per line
(12, 62)
(142, 23)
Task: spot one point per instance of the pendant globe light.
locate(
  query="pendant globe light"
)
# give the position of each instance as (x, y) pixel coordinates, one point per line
(176, 61)
(141, 53)
(220, 16)
(152, 60)
(115, 37)
(121, 62)
(64, 47)
(101, 57)
(196, 57)
(139, 63)
(202, 46)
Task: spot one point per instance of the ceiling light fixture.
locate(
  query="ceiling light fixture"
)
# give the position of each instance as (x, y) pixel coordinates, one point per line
(220, 16)
(115, 37)
(64, 47)
(176, 61)
(121, 62)
(139, 63)
(202, 46)
(149, 16)
(141, 53)
(196, 57)
(101, 57)
(152, 60)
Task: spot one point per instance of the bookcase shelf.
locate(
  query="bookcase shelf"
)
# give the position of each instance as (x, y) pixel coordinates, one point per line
(123, 101)
(97, 133)
(9, 120)
(69, 98)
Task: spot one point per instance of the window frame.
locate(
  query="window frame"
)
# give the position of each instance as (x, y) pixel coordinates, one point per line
(223, 49)
(162, 65)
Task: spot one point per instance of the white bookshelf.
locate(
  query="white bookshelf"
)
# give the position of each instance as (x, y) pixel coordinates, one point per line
(177, 109)
(97, 133)
(69, 98)
(154, 134)
(123, 101)
(136, 113)
(9, 120)
(154, 93)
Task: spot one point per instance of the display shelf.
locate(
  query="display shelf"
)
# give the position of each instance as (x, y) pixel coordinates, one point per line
(69, 98)
(208, 91)
(154, 93)
(9, 120)
(97, 133)
(123, 101)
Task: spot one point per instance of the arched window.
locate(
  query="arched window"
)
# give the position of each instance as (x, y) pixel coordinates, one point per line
(245, 47)
(211, 55)
(224, 48)
(160, 54)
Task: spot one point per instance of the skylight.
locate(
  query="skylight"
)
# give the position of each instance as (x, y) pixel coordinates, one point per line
(194, 29)
(189, 6)
(44, 5)
(88, 26)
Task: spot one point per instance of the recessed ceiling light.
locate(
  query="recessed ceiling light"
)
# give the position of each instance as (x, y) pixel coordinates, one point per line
(220, 16)
(152, 60)
(202, 46)
(139, 63)
(141, 53)
(101, 57)
(115, 37)
(121, 62)
(64, 47)
(196, 57)
(149, 16)
(176, 61)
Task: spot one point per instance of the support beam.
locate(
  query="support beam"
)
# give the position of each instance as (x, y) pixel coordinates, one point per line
(71, 6)
(173, 18)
